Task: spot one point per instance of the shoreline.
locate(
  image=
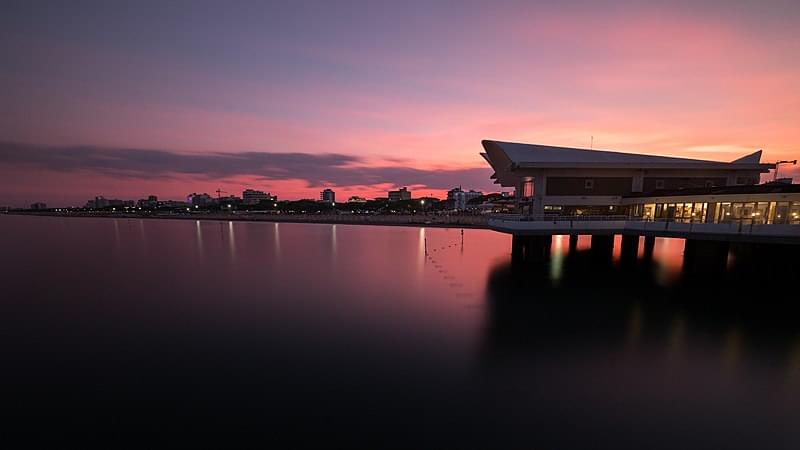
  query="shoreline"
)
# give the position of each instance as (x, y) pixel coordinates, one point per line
(473, 222)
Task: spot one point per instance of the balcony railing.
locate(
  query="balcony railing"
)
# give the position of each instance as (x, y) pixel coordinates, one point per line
(514, 223)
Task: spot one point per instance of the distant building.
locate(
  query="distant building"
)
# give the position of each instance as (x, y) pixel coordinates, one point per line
(356, 199)
(253, 197)
(101, 202)
(98, 203)
(151, 202)
(196, 199)
(400, 194)
(328, 196)
(229, 201)
(172, 204)
(458, 198)
(38, 205)
(115, 202)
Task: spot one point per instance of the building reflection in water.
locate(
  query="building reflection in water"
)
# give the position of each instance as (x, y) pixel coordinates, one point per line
(231, 241)
(559, 252)
(141, 230)
(334, 251)
(116, 234)
(199, 236)
(421, 255)
(696, 322)
(276, 231)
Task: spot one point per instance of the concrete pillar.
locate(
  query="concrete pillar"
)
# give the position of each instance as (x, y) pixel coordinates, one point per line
(649, 245)
(603, 246)
(517, 249)
(630, 248)
(539, 191)
(637, 182)
(537, 248)
(705, 257)
(573, 243)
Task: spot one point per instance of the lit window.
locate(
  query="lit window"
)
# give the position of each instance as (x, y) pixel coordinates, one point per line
(527, 189)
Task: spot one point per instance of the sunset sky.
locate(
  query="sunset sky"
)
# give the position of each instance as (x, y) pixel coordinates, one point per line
(126, 99)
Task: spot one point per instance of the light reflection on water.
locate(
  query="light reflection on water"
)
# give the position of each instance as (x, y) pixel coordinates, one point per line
(332, 326)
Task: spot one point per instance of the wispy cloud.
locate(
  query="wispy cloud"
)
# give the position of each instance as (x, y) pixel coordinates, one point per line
(332, 169)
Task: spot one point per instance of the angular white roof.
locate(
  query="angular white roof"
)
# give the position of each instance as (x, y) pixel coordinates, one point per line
(505, 157)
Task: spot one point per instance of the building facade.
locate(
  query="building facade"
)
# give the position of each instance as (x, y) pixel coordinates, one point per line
(459, 199)
(199, 200)
(771, 203)
(400, 194)
(356, 199)
(328, 196)
(254, 197)
(151, 202)
(571, 181)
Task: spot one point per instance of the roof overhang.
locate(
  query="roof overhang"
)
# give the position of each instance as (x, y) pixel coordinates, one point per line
(509, 158)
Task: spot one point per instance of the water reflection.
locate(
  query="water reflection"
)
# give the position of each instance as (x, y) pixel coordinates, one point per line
(592, 304)
(276, 231)
(560, 250)
(421, 253)
(352, 331)
(334, 250)
(199, 237)
(231, 241)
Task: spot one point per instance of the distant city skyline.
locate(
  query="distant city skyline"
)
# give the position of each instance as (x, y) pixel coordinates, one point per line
(170, 98)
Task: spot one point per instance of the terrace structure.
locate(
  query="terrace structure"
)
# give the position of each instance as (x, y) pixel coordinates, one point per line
(571, 191)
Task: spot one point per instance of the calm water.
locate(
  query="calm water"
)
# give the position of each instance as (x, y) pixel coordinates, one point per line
(349, 334)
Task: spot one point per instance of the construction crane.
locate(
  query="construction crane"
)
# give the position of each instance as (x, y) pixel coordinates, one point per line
(777, 164)
(219, 193)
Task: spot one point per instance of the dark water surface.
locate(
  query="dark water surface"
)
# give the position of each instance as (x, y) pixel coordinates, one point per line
(337, 334)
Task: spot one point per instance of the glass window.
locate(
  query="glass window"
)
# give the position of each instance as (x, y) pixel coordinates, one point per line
(670, 213)
(760, 212)
(737, 211)
(794, 213)
(649, 211)
(781, 213)
(588, 184)
(678, 212)
(527, 189)
(746, 212)
(699, 212)
(724, 212)
(683, 212)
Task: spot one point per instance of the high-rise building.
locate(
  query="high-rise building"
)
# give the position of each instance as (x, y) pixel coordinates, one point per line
(196, 199)
(99, 202)
(458, 198)
(328, 196)
(400, 194)
(38, 205)
(151, 202)
(254, 197)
